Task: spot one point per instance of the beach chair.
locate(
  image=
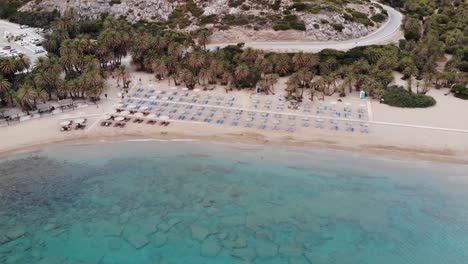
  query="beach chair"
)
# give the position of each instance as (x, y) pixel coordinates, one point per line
(235, 123)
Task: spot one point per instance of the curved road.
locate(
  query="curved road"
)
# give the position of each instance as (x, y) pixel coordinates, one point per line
(384, 34)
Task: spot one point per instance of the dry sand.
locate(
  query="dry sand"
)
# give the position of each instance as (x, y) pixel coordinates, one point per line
(383, 140)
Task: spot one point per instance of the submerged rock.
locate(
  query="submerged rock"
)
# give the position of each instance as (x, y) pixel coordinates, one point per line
(199, 232)
(138, 240)
(247, 254)
(115, 244)
(266, 249)
(15, 233)
(233, 220)
(240, 243)
(166, 226)
(210, 248)
(290, 251)
(3, 239)
(160, 240)
(112, 230)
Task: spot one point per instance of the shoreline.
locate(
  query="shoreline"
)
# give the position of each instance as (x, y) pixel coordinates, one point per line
(256, 139)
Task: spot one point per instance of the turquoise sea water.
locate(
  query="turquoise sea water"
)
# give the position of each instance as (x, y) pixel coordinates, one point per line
(195, 202)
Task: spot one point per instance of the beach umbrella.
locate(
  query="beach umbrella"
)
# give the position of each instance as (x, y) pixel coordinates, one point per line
(165, 98)
(143, 107)
(185, 89)
(131, 106)
(125, 113)
(157, 92)
(65, 123)
(119, 118)
(139, 114)
(196, 90)
(153, 97)
(164, 117)
(107, 117)
(173, 88)
(79, 120)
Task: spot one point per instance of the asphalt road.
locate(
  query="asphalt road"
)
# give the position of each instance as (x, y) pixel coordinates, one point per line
(384, 34)
(15, 29)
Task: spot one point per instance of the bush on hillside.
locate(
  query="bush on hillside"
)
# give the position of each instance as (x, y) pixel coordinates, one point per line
(399, 97)
(378, 18)
(338, 27)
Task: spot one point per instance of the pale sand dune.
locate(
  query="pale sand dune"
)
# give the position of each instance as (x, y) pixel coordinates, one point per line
(392, 141)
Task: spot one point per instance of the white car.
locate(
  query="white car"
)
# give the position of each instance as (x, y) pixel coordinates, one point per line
(24, 26)
(24, 43)
(37, 51)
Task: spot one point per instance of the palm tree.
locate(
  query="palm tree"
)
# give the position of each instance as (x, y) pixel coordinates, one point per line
(188, 78)
(241, 72)
(22, 63)
(5, 87)
(305, 60)
(26, 96)
(8, 68)
(196, 60)
(159, 67)
(121, 74)
(203, 37)
(250, 55)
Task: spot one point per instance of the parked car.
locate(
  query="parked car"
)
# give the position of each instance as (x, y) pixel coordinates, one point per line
(24, 26)
(7, 47)
(24, 43)
(37, 51)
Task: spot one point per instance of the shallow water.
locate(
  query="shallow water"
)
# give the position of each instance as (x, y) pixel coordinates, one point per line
(194, 202)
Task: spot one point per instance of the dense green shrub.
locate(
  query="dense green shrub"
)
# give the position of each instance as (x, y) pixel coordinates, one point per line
(399, 97)
(378, 18)
(209, 19)
(235, 3)
(279, 27)
(290, 22)
(115, 2)
(338, 27)
(276, 5)
(460, 91)
(35, 19)
(9, 7)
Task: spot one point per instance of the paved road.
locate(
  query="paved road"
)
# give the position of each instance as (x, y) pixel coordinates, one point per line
(384, 34)
(15, 29)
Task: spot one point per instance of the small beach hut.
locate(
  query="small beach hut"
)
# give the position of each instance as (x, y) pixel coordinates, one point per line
(12, 114)
(66, 104)
(44, 108)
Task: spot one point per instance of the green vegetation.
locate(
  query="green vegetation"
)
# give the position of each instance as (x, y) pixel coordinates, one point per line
(432, 29)
(9, 10)
(290, 22)
(399, 97)
(460, 91)
(83, 53)
(338, 27)
(356, 16)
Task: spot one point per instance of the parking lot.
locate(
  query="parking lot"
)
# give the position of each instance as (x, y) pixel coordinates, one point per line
(20, 40)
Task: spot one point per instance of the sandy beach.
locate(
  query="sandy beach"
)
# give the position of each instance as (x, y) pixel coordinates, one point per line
(438, 133)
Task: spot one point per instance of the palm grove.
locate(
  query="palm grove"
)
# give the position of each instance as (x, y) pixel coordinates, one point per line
(82, 53)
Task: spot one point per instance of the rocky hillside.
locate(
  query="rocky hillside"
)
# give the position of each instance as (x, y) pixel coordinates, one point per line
(239, 20)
